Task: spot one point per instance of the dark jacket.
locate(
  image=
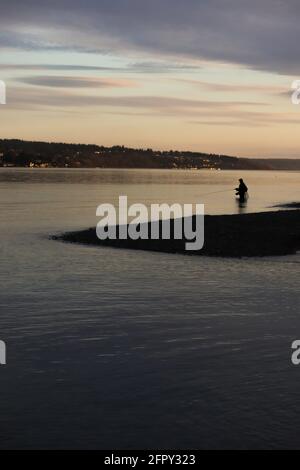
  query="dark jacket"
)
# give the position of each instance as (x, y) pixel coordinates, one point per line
(242, 189)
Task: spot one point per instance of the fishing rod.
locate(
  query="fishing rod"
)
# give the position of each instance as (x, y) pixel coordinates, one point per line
(216, 192)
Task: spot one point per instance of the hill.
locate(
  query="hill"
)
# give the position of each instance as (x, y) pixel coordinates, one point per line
(21, 153)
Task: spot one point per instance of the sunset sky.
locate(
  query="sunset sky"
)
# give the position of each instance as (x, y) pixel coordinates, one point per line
(212, 76)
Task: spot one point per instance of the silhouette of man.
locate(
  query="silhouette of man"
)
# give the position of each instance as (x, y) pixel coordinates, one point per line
(242, 190)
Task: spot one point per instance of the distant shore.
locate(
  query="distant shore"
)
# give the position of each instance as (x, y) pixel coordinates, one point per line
(243, 235)
(26, 154)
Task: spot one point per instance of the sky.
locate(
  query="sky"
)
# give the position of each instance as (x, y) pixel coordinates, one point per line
(201, 75)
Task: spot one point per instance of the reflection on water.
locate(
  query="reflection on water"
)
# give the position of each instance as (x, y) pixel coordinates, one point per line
(242, 206)
(89, 188)
(121, 349)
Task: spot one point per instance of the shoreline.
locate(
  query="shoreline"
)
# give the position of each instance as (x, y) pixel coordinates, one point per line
(229, 236)
(120, 168)
(290, 205)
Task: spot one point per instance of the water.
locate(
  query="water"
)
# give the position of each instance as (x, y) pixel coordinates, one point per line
(122, 349)
(86, 189)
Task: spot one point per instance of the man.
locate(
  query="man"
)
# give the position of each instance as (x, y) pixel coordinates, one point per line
(241, 190)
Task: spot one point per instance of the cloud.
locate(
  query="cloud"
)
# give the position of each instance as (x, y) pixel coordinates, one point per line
(229, 123)
(77, 82)
(235, 88)
(57, 67)
(247, 119)
(204, 112)
(261, 34)
(142, 67)
(160, 104)
(161, 67)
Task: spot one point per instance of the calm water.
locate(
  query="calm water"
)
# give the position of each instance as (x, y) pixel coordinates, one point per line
(122, 349)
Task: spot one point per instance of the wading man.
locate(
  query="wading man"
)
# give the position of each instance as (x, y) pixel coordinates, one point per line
(242, 190)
